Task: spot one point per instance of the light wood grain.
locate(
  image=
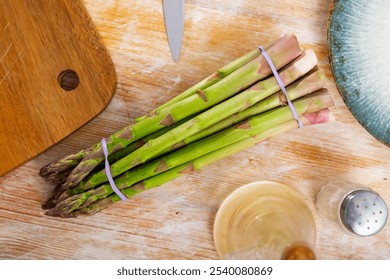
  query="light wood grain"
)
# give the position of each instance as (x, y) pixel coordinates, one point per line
(175, 221)
(39, 41)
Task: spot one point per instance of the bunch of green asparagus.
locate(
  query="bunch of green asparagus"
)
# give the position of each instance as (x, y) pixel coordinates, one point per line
(234, 108)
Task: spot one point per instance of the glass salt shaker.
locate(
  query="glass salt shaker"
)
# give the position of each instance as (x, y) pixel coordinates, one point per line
(352, 206)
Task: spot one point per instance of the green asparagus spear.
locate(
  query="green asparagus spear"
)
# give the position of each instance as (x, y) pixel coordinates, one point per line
(231, 106)
(210, 80)
(62, 165)
(282, 52)
(300, 88)
(70, 161)
(322, 116)
(249, 128)
(303, 86)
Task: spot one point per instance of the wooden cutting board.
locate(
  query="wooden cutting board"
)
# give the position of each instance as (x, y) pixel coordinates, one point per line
(55, 75)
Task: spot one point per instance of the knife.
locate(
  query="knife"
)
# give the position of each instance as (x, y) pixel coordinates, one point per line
(174, 25)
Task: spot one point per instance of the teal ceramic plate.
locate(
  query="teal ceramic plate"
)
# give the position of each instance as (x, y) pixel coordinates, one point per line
(359, 49)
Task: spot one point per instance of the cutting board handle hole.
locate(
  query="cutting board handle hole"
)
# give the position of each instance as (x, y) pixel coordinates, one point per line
(68, 80)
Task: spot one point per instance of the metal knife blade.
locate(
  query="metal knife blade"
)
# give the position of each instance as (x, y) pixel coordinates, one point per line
(174, 25)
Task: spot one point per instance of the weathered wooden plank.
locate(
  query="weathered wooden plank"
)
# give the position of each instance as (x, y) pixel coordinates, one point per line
(176, 221)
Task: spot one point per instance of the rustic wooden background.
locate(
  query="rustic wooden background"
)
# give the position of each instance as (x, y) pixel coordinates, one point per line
(175, 221)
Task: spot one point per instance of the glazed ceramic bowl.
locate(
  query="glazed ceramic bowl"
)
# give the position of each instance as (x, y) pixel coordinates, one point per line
(359, 51)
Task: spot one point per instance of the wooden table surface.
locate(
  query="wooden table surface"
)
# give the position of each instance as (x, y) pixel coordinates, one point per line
(175, 221)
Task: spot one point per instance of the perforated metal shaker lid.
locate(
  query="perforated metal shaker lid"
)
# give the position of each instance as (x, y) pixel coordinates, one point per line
(363, 212)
